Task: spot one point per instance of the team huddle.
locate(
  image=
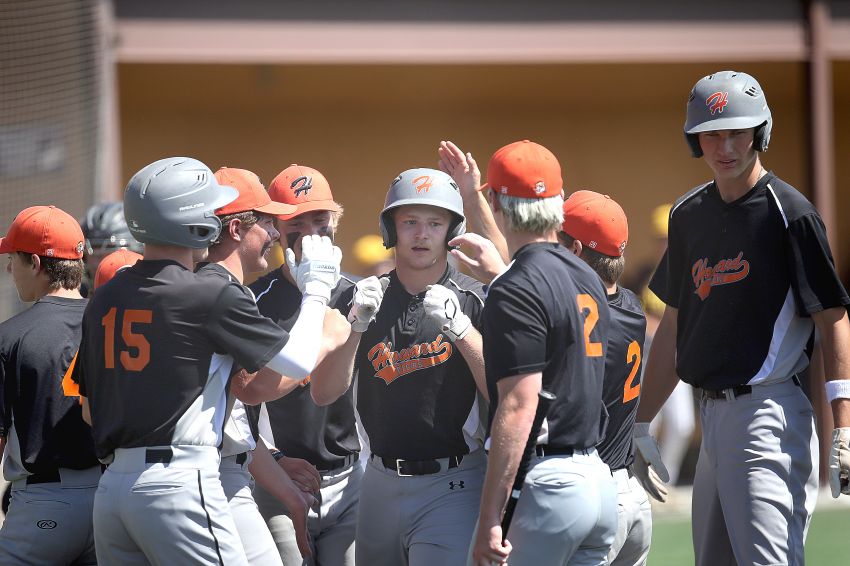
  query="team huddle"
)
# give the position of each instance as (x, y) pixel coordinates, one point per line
(427, 415)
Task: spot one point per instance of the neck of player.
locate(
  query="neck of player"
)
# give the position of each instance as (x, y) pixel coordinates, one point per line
(416, 279)
(516, 240)
(734, 187)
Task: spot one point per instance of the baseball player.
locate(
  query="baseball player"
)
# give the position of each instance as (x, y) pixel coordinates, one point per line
(247, 234)
(323, 457)
(595, 228)
(154, 367)
(545, 325)
(746, 277)
(50, 459)
(420, 387)
(106, 231)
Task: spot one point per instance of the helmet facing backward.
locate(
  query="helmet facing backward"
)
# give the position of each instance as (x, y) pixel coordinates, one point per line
(727, 100)
(105, 228)
(422, 186)
(173, 202)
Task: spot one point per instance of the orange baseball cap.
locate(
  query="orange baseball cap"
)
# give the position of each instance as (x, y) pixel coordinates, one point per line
(303, 187)
(113, 263)
(46, 231)
(597, 221)
(524, 169)
(252, 194)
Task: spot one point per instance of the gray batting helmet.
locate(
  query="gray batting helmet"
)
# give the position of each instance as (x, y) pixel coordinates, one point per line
(422, 186)
(173, 202)
(105, 228)
(727, 100)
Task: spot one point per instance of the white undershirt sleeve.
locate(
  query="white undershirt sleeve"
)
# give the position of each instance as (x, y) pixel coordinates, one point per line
(297, 359)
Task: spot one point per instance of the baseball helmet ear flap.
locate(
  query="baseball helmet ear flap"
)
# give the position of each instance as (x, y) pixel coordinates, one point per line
(422, 186)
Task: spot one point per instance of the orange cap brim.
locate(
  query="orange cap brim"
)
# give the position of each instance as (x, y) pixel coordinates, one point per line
(276, 208)
(5, 248)
(310, 206)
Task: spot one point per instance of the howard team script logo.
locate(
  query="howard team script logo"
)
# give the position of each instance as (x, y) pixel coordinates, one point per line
(390, 365)
(724, 272)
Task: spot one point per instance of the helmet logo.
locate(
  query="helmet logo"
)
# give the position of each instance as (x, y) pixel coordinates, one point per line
(422, 183)
(716, 102)
(302, 184)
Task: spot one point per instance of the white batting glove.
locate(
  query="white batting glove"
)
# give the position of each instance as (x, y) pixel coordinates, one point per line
(368, 294)
(648, 467)
(442, 306)
(318, 272)
(839, 462)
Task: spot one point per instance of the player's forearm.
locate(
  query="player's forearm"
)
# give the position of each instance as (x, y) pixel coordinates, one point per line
(299, 356)
(332, 377)
(511, 426)
(86, 410)
(262, 386)
(471, 348)
(272, 477)
(834, 330)
(659, 378)
(479, 219)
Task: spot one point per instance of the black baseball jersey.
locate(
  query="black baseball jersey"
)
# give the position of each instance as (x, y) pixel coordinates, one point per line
(745, 276)
(623, 373)
(416, 396)
(156, 354)
(294, 424)
(549, 313)
(44, 428)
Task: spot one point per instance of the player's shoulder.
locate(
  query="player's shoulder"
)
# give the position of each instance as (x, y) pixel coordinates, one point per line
(464, 285)
(688, 201)
(790, 202)
(267, 284)
(626, 299)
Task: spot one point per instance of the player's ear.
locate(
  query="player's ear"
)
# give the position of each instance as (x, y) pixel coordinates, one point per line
(233, 229)
(35, 263)
(576, 247)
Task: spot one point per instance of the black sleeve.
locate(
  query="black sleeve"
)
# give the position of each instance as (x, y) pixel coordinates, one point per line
(238, 329)
(814, 280)
(516, 328)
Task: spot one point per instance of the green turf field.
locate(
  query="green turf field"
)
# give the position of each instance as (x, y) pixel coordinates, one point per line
(827, 544)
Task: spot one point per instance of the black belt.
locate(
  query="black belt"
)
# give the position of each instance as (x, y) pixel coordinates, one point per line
(158, 455)
(241, 458)
(44, 477)
(419, 467)
(729, 393)
(343, 464)
(735, 391)
(546, 450)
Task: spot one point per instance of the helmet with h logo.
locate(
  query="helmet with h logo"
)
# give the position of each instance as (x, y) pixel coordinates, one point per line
(422, 186)
(727, 100)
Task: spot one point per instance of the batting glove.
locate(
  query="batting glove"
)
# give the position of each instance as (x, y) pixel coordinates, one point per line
(442, 306)
(839, 462)
(648, 466)
(318, 272)
(368, 294)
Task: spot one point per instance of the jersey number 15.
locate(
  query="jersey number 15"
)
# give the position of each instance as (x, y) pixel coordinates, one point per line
(131, 339)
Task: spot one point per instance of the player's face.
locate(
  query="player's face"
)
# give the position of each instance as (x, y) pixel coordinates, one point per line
(421, 235)
(24, 276)
(314, 222)
(256, 243)
(729, 153)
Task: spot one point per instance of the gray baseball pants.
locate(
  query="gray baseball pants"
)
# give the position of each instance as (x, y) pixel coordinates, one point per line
(419, 520)
(165, 513)
(51, 523)
(237, 483)
(567, 513)
(757, 478)
(331, 523)
(634, 522)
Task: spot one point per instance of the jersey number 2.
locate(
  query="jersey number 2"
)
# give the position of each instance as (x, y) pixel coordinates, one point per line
(131, 339)
(630, 389)
(586, 303)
